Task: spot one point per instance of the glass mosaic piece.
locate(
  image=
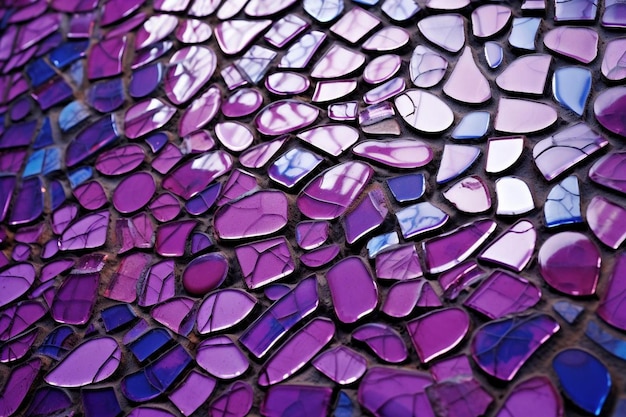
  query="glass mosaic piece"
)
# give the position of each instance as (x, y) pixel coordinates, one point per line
(385, 389)
(333, 139)
(574, 96)
(338, 61)
(503, 294)
(569, 146)
(285, 116)
(398, 153)
(489, 19)
(427, 67)
(424, 111)
(343, 278)
(281, 316)
(606, 171)
(448, 250)
(420, 218)
(526, 75)
(405, 296)
(281, 399)
(568, 311)
(301, 52)
(265, 212)
(474, 125)
(524, 33)
(574, 275)
(456, 159)
(341, 364)
(233, 36)
(514, 248)
(297, 351)
(383, 340)
(580, 10)
(604, 218)
(469, 195)
(607, 108)
(612, 344)
(536, 396)
(401, 262)
(466, 83)
(503, 153)
(522, 335)
(366, 216)
(235, 402)
(97, 359)
(523, 116)
(612, 60)
(387, 39)
(220, 357)
(438, 332)
(578, 43)
(400, 10)
(609, 309)
(447, 31)
(514, 197)
(200, 112)
(584, 379)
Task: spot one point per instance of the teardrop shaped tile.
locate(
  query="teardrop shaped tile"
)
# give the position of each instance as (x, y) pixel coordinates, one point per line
(438, 332)
(446, 31)
(578, 43)
(466, 83)
(455, 160)
(396, 153)
(526, 75)
(523, 116)
(469, 195)
(584, 379)
(489, 19)
(503, 153)
(571, 87)
(514, 197)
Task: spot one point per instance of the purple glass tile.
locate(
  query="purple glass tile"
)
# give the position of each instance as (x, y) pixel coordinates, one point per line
(343, 279)
(264, 262)
(383, 340)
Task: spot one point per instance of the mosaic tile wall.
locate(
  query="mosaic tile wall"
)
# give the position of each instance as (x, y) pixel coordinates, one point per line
(311, 208)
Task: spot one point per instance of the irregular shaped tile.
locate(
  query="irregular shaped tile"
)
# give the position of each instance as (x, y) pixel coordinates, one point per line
(383, 340)
(236, 401)
(578, 43)
(385, 91)
(503, 153)
(448, 250)
(459, 398)
(201, 111)
(280, 317)
(87, 232)
(189, 69)
(333, 139)
(493, 54)
(446, 31)
(387, 392)
(297, 351)
(455, 160)
(467, 83)
(420, 218)
(526, 75)
(401, 263)
(192, 392)
(301, 52)
(584, 379)
(379, 243)
(17, 385)
(366, 216)
(514, 197)
(534, 396)
(105, 58)
(424, 111)
(436, 333)
(285, 116)
(354, 24)
(192, 177)
(328, 195)
(613, 61)
(474, 125)
(561, 151)
(381, 68)
(323, 11)
(205, 273)
(514, 248)
(220, 357)
(265, 261)
(500, 348)
(223, 309)
(426, 67)
(613, 16)
(254, 63)
(286, 83)
(502, 294)
(605, 219)
(523, 116)
(387, 39)
(258, 156)
(612, 344)
(338, 61)
(571, 87)
(570, 263)
(312, 234)
(396, 153)
(341, 364)
(291, 167)
(157, 377)
(309, 400)
(97, 359)
(405, 296)
(320, 256)
(469, 195)
(343, 279)
(259, 214)
(524, 32)
(607, 171)
(326, 91)
(285, 29)
(407, 187)
(242, 102)
(15, 281)
(489, 19)
(608, 109)
(171, 238)
(233, 36)
(568, 311)
(147, 116)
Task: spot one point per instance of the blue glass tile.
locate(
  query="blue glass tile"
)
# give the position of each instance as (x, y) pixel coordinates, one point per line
(117, 316)
(72, 115)
(39, 71)
(63, 55)
(473, 126)
(407, 187)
